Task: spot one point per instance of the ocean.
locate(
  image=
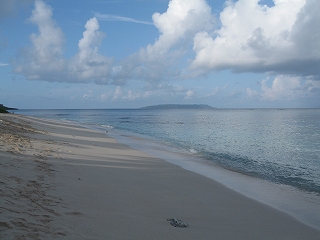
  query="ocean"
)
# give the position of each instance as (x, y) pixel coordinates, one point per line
(279, 149)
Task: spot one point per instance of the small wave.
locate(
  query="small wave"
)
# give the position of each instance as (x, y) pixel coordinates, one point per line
(274, 172)
(107, 126)
(193, 151)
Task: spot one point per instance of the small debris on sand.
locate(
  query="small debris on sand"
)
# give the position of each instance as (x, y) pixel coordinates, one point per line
(177, 223)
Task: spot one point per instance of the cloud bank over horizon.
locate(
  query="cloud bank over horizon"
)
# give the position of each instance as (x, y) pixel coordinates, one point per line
(281, 40)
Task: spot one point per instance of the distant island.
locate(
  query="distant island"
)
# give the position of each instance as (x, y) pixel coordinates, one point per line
(177, 106)
(3, 109)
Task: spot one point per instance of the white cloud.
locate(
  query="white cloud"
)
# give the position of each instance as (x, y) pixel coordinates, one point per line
(171, 87)
(283, 87)
(88, 64)
(3, 64)
(313, 86)
(190, 94)
(215, 91)
(45, 61)
(118, 93)
(286, 88)
(177, 27)
(284, 38)
(88, 95)
(252, 93)
(131, 95)
(182, 20)
(104, 97)
(46, 54)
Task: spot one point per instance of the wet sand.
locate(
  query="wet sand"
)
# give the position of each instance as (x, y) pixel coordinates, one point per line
(63, 181)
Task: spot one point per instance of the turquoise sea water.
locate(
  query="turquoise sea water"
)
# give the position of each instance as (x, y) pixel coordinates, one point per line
(277, 145)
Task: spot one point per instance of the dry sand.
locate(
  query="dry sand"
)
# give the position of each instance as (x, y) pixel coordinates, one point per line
(62, 181)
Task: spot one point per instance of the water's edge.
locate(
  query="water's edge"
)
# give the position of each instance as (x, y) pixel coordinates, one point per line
(305, 207)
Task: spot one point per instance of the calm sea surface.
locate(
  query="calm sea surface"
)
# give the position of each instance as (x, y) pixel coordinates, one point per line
(280, 146)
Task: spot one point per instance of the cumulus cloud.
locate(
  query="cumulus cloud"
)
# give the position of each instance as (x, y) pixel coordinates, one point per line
(130, 94)
(214, 93)
(45, 61)
(285, 87)
(88, 64)
(180, 22)
(46, 54)
(190, 94)
(177, 27)
(252, 93)
(160, 60)
(170, 87)
(162, 92)
(313, 86)
(118, 93)
(281, 39)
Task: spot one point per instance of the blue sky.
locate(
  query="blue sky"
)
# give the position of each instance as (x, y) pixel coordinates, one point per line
(133, 53)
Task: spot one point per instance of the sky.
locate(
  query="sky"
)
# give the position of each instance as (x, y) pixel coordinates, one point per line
(57, 54)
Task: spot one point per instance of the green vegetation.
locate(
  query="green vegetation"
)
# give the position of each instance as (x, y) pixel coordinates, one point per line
(4, 109)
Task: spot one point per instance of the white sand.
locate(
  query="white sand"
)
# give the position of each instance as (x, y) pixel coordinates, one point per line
(63, 181)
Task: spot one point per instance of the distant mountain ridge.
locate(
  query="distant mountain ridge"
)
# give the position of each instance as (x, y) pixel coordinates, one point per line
(177, 106)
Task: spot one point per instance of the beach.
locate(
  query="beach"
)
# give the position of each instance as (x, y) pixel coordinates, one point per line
(60, 180)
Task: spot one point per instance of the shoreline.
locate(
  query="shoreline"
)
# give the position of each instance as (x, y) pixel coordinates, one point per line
(303, 206)
(79, 183)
